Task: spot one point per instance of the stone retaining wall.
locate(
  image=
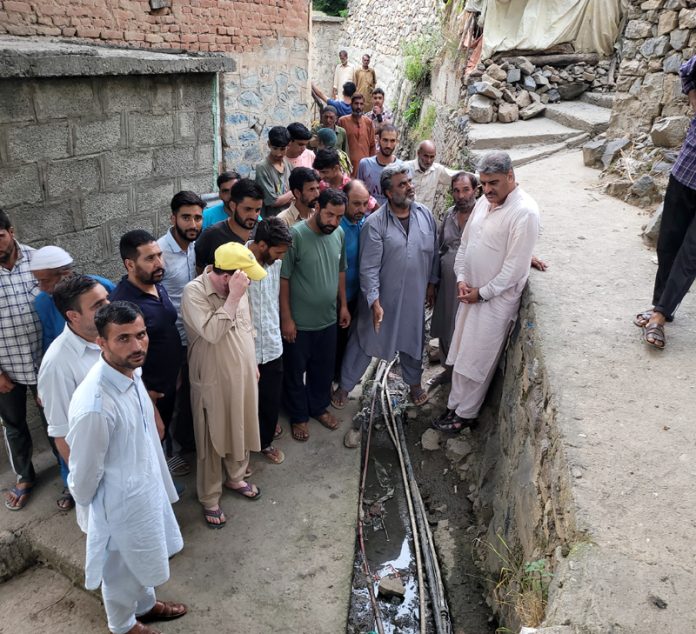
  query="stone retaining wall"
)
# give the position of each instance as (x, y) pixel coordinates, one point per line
(82, 160)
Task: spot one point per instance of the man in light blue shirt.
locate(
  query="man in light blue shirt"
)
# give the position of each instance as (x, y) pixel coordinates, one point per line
(179, 256)
(220, 211)
(50, 265)
(370, 168)
(271, 242)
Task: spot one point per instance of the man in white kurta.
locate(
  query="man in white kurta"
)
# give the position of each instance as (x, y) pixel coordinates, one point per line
(67, 361)
(118, 470)
(492, 266)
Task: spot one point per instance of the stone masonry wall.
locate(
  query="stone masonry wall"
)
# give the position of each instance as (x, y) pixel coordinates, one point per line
(82, 160)
(233, 26)
(327, 34)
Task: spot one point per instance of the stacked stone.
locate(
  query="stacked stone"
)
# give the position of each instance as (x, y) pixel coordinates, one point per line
(517, 89)
(650, 115)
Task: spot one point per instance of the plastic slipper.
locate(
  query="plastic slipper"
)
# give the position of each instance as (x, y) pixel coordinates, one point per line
(278, 433)
(19, 494)
(273, 454)
(247, 488)
(214, 513)
(68, 499)
(301, 435)
(336, 402)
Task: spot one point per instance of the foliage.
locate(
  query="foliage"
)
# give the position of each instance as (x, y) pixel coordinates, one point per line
(413, 110)
(424, 129)
(419, 54)
(331, 7)
(522, 585)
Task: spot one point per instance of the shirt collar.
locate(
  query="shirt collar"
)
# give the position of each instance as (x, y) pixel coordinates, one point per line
(119, 380)
(171, 243)
(77, 343)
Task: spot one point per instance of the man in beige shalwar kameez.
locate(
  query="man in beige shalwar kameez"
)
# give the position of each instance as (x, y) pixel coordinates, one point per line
(223, 373)
(492, 266)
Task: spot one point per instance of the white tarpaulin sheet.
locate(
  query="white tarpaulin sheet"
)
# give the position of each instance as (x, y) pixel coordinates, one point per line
(590, 25)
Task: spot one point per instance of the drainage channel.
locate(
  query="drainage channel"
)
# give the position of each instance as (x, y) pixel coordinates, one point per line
(397, 583)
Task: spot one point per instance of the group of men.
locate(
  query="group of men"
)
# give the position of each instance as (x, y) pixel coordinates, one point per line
(300, 277)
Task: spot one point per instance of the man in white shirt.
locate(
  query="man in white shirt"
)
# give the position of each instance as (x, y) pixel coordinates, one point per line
(118, 469)
(344, 72)
(68, 359)
(492, 267)
(428, 176)
(178, 251)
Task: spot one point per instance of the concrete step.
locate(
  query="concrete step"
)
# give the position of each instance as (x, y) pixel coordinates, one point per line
(579, 115)
(602, 99)
(530, 153)
(506, 136)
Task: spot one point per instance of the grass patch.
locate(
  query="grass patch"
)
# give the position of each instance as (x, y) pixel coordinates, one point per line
(419, 55)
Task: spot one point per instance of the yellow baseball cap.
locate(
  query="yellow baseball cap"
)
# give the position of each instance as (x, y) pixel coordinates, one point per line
(233, 256)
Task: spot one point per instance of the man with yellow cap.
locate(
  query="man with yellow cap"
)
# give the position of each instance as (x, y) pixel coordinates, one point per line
(223, 374)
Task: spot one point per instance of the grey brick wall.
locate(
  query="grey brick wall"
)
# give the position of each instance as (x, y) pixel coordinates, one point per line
(83, 160)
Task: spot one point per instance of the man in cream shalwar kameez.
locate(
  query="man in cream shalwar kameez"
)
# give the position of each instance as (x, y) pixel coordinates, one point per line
(118, 470)
(223, 374)
(492, 266)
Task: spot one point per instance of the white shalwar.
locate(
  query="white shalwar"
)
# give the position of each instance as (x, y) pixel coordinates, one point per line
(118, 469)
(494, 256)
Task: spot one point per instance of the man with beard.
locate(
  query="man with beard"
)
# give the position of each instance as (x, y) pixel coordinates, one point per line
(428, 175)
(223, 373)
(357, 205)
(464, 186)
(398, 272)
(370, 169)
(329, 117)
(180, 264)
(360, 132)
(142, 257)
(492, 266)
(221, 210)
(66, 363)
(365, 80)
(117, 469)
(246, 200)
(304, 185)
(311, 278)
(20, 354)
(379, 114)
(271, 242)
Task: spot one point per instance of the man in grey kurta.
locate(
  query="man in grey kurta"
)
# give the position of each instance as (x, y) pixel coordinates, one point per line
(399, 267)
(464, 186)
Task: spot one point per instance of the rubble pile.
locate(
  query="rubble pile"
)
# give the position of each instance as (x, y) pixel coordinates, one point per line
(517, 89)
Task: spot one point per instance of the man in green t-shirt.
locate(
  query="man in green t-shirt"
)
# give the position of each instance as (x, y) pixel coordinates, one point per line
(312, 279)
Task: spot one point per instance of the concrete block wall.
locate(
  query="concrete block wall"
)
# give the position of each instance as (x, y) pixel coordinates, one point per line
(82, 160)
(327, 40)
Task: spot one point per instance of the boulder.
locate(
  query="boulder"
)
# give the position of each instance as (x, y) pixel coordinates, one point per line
(655, 46)
(687, 19)
(532, 110)
(540, 79)
(490, 80)
(618, 189)
(672, 63)
(523, 99)
(668, 21)
(529, 83)
(644, 187)
(652, 229)
(572, 90)
(669, 131)
(508, 112)
(487, 90)
(523, 64)
(592, 152)
(612, 149)
(496, 72)
(391, 586)
(554, 95)
(481, 109)
(457, 449)
(514, 75)
(430, 440)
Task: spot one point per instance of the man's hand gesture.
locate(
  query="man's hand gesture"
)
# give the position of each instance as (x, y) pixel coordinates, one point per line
(237, 285)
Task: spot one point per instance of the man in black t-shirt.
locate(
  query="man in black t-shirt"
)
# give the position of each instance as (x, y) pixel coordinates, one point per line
(245, 203)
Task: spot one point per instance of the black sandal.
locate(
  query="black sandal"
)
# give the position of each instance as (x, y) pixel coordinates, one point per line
(450, 423)
(66, 501)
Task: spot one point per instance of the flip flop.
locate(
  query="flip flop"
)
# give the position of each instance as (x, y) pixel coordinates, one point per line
(278, 433)
(299, 434)
(216, 513)
(66, 497)
(247, 488)
(19, 494)
(273, 454)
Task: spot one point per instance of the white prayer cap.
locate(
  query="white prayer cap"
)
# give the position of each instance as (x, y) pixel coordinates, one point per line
(49, 258)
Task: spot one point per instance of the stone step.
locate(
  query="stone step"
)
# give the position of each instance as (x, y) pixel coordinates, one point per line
(579, 115)
(506, 136)
(530, 153)
(602, 99)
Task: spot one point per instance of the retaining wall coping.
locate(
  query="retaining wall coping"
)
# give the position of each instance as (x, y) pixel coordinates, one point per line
(49, 57)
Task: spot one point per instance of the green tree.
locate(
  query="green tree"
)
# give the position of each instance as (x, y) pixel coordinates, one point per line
(331, 7)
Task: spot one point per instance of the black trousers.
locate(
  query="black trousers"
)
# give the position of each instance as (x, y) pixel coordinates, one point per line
(676, 248)
(13, 412)
(342, 336)
(270, 391)
(308, 367)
